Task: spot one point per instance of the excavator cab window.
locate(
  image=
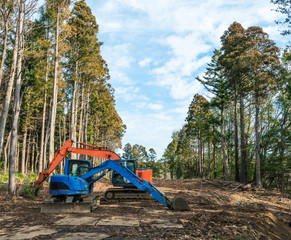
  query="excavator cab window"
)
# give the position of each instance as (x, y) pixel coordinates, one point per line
(78, 167)
(130, 165)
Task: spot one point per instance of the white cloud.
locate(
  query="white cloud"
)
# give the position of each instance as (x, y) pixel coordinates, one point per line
(155, 106)
(145, 62)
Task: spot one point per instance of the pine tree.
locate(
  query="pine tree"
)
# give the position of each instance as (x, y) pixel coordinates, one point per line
(263, 64)
(234, 44)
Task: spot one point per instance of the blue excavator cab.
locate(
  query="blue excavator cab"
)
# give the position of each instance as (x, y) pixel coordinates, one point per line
(71, 182)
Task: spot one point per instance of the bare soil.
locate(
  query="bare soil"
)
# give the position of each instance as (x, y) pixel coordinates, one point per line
(219, 210)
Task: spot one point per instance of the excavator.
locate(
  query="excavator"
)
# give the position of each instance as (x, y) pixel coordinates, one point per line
(73, 191)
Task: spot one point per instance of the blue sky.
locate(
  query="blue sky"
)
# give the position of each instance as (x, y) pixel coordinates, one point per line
(156, 48)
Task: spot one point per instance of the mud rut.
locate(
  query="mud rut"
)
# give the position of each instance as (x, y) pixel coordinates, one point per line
(219, 210)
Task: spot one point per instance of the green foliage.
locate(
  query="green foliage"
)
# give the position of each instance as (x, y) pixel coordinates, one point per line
(20, 178)
(4, 177)
(28, 191)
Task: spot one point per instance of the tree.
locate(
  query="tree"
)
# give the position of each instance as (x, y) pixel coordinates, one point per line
(59, 9)
(127, 154)
(16, 107)
(4, 114)
(216, 82)
(82, 38)
(262, 60)
(197, 125)
(234, 45)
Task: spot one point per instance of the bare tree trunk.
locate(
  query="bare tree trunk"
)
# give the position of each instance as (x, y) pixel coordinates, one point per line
(9, 86)
(76, 118)
(17, 155)
(200, 155)
(23, 151)
(86, 118)
(64, 129)
(6, 151)
(4, 50)
(81, 115)
(209, 160)
(32, 155)
(17, 100)
(60, 139)
(236, 138)
(214, 161)
(27, 153)
(283, 146)
(41, 161)
(55, 90)
(47, 137)
(74, 109)
(243, 174)
(224, 149)
(257, 130)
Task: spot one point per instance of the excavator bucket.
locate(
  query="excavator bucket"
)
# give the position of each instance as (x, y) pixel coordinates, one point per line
(180, 204)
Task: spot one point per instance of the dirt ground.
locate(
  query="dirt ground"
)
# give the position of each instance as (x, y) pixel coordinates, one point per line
(219, 210)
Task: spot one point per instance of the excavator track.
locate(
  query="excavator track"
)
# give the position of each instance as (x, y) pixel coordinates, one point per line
(126, 194)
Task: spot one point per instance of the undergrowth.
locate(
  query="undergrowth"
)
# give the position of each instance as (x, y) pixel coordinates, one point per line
(24, 182)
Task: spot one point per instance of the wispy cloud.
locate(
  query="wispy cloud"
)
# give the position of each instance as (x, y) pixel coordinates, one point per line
(155, 49)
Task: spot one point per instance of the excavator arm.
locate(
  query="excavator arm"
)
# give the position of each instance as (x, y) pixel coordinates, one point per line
(65, 150)
(130, 176)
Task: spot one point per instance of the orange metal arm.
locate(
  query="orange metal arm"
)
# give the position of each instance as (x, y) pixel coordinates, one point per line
(65, 150)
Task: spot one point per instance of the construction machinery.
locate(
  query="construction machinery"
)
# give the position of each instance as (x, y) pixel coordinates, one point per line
(73, 191)
(123, 188)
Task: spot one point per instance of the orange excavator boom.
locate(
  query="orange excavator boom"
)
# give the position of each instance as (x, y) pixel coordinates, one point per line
(65, 150)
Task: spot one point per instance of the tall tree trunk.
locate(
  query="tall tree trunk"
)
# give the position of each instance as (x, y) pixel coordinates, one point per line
(209, 160)
(257, 130)
(27, 153)
(17, 155)
(9, 86)
(86, 120)
(214, 160)
(55, 90)
(81, 115)
(283, 147)
(64, 129)
(6, 151)
(236, 137)
(16, 107)
(23, 151)
(200, 154)
(243, 172)
(47, 137)
(33, 155)
(41, 158)
(4, 50)
(74, 109)
(86, 117)
(224, 148)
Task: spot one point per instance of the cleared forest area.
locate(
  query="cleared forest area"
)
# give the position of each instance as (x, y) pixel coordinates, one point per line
(219, 210)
